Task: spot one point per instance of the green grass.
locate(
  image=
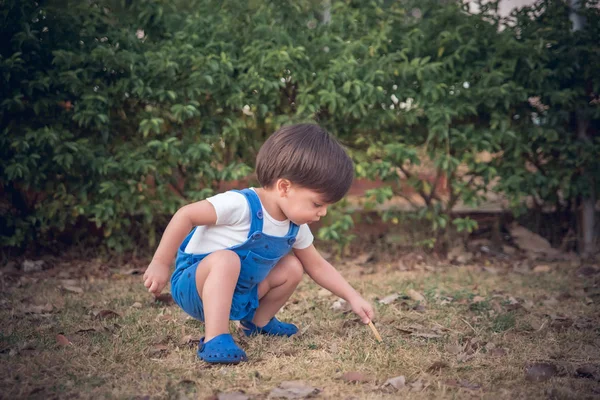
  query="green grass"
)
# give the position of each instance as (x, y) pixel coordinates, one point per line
(117, 358)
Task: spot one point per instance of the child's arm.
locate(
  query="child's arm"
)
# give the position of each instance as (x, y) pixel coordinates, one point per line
(187, 217)
(324, 274)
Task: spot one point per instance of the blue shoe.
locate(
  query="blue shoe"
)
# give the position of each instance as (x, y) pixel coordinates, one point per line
(274, 327)
(222, 350)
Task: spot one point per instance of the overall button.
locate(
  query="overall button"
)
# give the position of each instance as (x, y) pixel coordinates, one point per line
(259, 214)
(291, 241)
(256, 236)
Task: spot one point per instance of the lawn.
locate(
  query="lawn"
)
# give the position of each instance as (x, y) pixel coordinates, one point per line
(496, 330)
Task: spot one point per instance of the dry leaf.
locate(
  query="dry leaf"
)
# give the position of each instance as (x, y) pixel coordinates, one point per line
(586, 371)
(478, 299)
(539, 372)
(341, 305)
(416, 296)
(158, 350)
(106, 314)
(45, 309)
(137, 304)
(463, 384)
(389, 299)
(437, 366)
(364, 258)
(416, 386)
(426, 335)
(293, 390)
(62, 340)
(165, 299)
(355, 377)
(232, 396)
(420, 308)
(73, 289)
(186, 340)
(498, 352)
(541, 268)
(324, 293)
(397, 383)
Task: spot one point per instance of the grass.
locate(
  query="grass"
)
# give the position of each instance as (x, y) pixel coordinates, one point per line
(454, 347)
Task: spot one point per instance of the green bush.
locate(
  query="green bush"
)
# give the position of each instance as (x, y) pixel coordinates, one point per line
(115, 113)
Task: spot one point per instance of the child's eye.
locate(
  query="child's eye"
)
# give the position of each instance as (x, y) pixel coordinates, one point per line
(317, 205)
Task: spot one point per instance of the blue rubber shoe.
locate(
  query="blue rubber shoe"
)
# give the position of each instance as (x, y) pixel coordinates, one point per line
(221, 350)
(273, 327)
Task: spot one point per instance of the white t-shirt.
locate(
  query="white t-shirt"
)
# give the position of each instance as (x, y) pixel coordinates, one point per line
(233, 225)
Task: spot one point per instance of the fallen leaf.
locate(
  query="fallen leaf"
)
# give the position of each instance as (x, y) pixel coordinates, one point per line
(293, 390)
(454, 348)
(539, 372)
(86, 330)
(491, 270)
(478, 299)
(364, 258)
(158, 350)
(416, 296)
(497, 352)
(73, 289)
(45, 309)
(465, 356)
(62, 340)
(586, 271)
(416, 386)
(165, 299)
(550, 302)
(397, 383)
(324, 293)
(420, 308)
(32, 266)
(462, 384)
(586, 371)
(355, 377)
(341, 305)
(426, 335)
(437, 366)
(560, 322)
(232, 396)
(137, 304)
(187, 340)
(389, 299)
(541, 269)
(106, 314)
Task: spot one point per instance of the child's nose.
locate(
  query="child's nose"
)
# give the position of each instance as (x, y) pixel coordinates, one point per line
(323, 212)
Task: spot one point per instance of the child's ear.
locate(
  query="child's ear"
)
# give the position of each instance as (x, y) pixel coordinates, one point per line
(283, 187)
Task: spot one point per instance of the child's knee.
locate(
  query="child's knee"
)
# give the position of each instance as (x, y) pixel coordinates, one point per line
(226, 260)
(293, 267)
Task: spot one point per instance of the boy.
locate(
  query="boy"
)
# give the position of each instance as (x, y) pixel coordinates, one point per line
(248, 249)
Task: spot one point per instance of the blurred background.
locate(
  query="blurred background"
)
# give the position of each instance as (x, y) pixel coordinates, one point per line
(466, 120)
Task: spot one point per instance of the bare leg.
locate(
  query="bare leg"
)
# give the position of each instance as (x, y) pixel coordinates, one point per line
(216, 277)
(277, 288)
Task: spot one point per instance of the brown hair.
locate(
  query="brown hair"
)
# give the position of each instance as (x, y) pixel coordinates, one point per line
(308, 156)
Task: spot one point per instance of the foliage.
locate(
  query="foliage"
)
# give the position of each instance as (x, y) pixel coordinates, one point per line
(558, 68)
(118, 112)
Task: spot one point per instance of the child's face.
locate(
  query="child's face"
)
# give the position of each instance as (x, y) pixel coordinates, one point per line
(301, 205)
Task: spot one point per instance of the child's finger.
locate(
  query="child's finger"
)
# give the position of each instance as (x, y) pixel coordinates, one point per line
(153, 287)
(147, 282)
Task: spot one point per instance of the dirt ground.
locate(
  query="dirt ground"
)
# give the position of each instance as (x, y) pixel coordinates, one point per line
(491, 329)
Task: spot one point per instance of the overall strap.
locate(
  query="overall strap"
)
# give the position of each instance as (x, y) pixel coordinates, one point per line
(293, 230)
(256, 214)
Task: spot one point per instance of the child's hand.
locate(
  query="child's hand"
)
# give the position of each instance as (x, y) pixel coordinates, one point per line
(363, 309)
(156, 277)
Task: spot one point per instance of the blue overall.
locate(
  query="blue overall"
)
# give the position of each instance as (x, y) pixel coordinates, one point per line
(258, 255)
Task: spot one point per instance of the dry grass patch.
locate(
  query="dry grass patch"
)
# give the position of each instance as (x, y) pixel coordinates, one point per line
(479, 333)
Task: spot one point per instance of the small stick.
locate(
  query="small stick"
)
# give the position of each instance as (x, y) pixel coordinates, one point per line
(377, 336)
